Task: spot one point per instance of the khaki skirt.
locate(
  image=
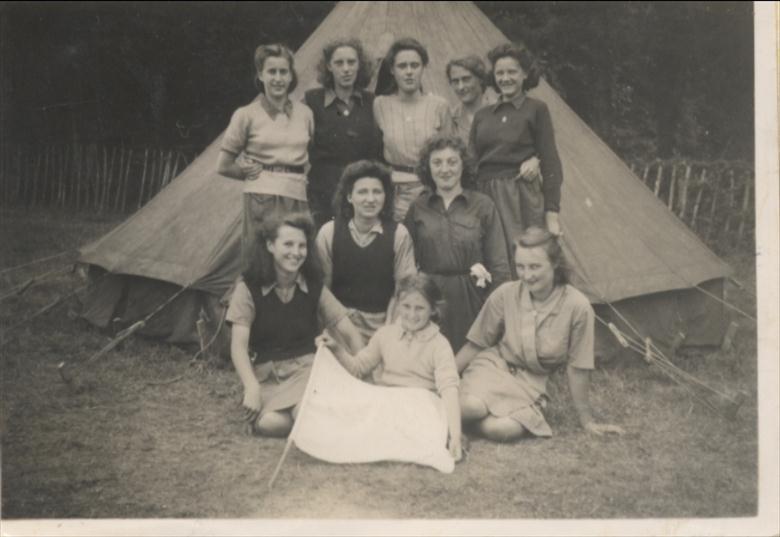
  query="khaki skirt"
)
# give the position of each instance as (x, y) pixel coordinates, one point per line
(282, 383)
(508, 391)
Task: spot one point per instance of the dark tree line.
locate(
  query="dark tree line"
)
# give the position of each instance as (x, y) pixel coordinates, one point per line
(652, 79)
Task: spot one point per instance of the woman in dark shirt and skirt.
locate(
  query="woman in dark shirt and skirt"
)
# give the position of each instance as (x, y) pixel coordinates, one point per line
(457, 235)
(344, 118)
(511, 140)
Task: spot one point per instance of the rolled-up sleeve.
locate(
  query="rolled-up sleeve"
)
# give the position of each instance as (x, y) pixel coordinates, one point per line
(324, 243)
(237, 133)
(241, 309)
(403, 248)
(581, 338)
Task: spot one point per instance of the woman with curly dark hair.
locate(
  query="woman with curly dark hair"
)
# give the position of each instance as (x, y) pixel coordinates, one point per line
(457, 234)
(343, 114)
(276, 310)
(511, 140)
(363, 251)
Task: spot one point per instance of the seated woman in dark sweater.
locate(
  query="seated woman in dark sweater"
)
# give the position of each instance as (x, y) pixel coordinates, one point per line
(364, 252)
(276, 311)
(344, 119)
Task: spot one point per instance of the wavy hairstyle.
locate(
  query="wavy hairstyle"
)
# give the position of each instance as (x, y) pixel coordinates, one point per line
(523, 57)
(260, 269)
(358, 170)
(365, 65)
(426, 286)
(385, 84)
(263, 52)
(474, 65)
(437, 143)
(536, 236)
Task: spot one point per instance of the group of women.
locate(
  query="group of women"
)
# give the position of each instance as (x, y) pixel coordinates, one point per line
(434, 232)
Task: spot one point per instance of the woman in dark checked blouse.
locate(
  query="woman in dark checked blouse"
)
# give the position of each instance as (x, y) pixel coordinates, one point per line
(511, 140)
(344, 119)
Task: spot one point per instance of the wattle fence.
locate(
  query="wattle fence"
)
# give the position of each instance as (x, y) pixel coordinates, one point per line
(714, 198)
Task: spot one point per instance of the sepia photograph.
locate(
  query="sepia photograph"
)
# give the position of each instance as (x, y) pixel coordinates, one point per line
(430, 268)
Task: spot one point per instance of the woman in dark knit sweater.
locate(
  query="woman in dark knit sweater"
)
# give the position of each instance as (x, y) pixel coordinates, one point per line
(511, 140)
(345, 130)
(363, 251)
(276, 311)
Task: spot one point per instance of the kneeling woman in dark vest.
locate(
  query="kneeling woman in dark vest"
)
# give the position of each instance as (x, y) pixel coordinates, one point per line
(276, 311)
(364, 252)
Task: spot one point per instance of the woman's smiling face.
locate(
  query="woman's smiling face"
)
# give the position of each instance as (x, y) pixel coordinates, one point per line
(509, 76)
(276, 77)
(289, 250)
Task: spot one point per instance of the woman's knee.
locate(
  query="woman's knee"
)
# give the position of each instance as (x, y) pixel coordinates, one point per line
(501, 429)
(472, 408)
(276, 424)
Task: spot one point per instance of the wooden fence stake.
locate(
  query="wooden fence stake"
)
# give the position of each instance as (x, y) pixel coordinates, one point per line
(143, 178)
(658, 177)
(672, 181)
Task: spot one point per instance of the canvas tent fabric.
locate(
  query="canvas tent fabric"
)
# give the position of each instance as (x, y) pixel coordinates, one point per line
(624, 246)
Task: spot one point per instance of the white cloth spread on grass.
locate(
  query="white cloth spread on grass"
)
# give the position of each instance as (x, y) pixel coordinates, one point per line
(345, 420)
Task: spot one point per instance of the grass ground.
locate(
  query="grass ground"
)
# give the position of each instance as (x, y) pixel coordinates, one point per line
(127, 444)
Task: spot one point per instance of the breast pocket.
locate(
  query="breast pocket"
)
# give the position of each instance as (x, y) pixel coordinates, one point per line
(465, 229)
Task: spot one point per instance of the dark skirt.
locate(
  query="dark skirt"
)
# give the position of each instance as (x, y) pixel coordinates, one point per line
(520, 205)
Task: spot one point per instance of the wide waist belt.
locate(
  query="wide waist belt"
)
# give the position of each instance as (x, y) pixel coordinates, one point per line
(281, 168)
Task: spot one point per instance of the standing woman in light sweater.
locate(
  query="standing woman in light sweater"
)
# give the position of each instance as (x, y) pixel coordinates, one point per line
(266, 145)
(407, 118)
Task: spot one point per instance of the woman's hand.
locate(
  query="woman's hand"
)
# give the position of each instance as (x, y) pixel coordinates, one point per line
(326, 340)
(252, 404)
(530, 169)
(249, 167)
(601, 429)
(553, 225)
(481, 274)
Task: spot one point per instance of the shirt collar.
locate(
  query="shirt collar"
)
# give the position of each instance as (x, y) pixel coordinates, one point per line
(459, 110)
(330, 97)
(376, 228)
(465, 195)
(516, 101)
(426, 334)
(271, 110)
(300, 281)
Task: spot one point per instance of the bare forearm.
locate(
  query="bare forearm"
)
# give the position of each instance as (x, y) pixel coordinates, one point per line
(466, 354)
(243, 365)
(452, 409)
(579, 385)
(227, 166)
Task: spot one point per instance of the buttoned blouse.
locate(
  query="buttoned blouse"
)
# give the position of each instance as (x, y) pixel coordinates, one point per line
(563, 327)
(451, 240)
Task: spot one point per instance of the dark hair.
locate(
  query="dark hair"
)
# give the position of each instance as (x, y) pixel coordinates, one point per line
(426, 286)
(263, 52)
(260, 269)
(386, 84)
(363, 77)
(358, 170)
(534, 237)
(523, 56)
(474, 65)
(436, 143)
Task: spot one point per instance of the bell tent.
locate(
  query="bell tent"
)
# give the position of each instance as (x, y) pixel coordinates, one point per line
(635, 260)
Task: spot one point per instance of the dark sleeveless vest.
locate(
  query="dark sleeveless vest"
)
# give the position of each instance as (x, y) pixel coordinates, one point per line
(363, 278)
(282, 331)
